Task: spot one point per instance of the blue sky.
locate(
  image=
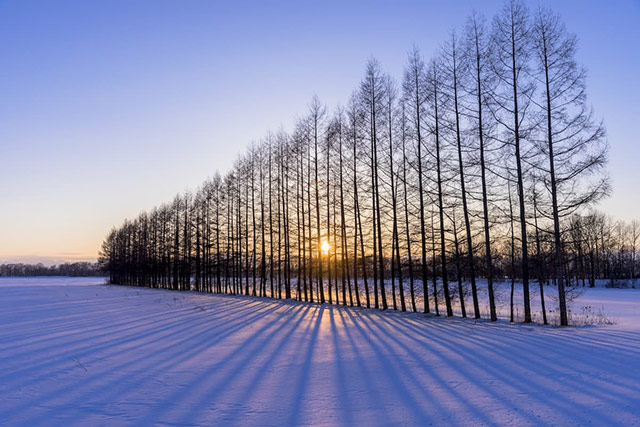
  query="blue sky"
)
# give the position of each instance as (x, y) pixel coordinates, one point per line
(108, 108)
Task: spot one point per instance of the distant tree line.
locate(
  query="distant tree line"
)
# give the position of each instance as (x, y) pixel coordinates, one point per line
(482, 162)
(74, 269)
(602, 248)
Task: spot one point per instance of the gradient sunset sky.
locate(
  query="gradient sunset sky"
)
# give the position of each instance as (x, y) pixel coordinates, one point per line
(108, 108)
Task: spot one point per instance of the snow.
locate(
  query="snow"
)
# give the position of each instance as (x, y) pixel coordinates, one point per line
(76, 352)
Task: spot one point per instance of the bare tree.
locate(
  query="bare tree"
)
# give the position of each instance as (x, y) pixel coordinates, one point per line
(510, 62)
(403, 121)
(476, 51)
(371, 99)
(317, 114)
(574, 144)
(414, 93)
(435, 99)
(453, 75)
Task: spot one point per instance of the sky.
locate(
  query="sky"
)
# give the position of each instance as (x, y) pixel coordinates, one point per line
(109, 108)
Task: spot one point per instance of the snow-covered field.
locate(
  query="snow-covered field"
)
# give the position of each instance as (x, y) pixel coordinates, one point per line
(76, 352)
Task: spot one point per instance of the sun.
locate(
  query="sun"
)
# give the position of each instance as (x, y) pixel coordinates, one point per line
(325, 246)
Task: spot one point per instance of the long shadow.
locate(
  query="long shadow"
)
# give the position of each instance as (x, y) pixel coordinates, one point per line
(396, 372)
(196, 343)
(539, 369)
(346, 412)
(551, 343)
(177, 319)
(237, 379)
(231, 364)
(81, 328)
(305, 370)
(367, 374)
(466, 376)
(175, 351)
(492, 362)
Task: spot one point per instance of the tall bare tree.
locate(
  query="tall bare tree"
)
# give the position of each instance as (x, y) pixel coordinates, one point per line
(511, 43)
(414, 93)
(573, 142)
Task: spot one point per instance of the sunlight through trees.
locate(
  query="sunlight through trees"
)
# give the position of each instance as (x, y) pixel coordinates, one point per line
(482, 162)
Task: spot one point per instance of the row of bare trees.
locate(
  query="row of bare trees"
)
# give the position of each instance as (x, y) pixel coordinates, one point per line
(477, 165)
